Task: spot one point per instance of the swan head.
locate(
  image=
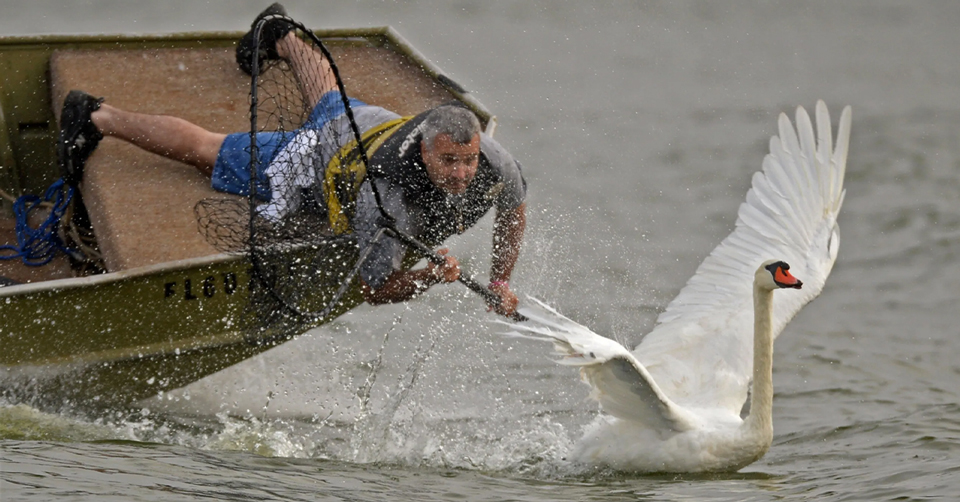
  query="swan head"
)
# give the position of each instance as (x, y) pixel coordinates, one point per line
(775, 274)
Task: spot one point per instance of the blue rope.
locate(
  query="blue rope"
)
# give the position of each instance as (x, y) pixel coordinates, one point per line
(37, 246)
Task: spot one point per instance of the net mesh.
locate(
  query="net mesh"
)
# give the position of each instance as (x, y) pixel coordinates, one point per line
(302, 272)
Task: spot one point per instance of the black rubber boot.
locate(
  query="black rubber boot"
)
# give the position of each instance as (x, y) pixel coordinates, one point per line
(78, 136)
(273, 30)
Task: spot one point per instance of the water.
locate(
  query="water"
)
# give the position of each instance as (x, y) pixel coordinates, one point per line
(639, 126)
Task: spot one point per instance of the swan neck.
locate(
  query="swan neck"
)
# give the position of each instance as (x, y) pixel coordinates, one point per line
(761, 404)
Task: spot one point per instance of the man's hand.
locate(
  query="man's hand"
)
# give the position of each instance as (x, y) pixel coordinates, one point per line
(448, 272)
(508, 300)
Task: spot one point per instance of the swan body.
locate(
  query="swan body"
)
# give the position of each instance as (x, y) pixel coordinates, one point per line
(674, 404)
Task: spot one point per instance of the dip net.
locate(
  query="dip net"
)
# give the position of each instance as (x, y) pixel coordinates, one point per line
(302, 272)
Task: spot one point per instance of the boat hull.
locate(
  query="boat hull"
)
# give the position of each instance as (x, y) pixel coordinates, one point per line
(128, 335)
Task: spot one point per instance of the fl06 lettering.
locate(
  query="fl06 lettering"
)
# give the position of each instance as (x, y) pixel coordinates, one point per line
(207, 287)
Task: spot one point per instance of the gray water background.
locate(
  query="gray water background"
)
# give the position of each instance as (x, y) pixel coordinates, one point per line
(639, 126)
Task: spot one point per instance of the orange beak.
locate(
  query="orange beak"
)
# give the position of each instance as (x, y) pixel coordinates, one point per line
(786, 279)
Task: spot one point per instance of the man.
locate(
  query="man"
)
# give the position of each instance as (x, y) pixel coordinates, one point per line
(436, 173)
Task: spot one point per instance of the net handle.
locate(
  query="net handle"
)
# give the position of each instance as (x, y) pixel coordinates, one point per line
(254, 153)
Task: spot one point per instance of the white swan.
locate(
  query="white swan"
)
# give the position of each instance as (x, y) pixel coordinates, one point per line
(675, 403)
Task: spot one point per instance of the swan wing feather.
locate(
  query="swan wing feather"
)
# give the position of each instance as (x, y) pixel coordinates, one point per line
(701, 349)
(621, 385)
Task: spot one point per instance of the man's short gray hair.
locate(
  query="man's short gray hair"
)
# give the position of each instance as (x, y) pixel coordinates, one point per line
(457, 122)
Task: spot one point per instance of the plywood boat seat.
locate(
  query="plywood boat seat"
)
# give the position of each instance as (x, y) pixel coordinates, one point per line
(141, 204)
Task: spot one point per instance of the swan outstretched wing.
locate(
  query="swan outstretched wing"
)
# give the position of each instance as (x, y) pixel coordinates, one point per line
(701, 350)
(620, 383)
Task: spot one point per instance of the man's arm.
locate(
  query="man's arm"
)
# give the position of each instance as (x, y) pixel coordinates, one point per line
(508, 229)
(403, 285)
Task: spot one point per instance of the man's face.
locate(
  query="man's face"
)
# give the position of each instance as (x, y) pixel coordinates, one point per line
(451, 166)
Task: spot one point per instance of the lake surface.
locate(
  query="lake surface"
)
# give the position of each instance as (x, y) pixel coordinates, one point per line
(639, 126)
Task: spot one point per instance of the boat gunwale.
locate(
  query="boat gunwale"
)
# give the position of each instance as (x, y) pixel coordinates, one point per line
(388, 33)
(226, 35)
(110, 277)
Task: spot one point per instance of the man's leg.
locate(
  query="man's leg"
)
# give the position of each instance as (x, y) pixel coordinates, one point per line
(186, 142)
(311, 70)
(164, 135)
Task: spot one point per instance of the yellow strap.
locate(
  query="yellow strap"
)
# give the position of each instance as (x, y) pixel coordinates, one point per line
(346, 172)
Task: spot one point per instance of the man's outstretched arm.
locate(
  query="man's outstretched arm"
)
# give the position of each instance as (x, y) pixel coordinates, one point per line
(508, 229)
